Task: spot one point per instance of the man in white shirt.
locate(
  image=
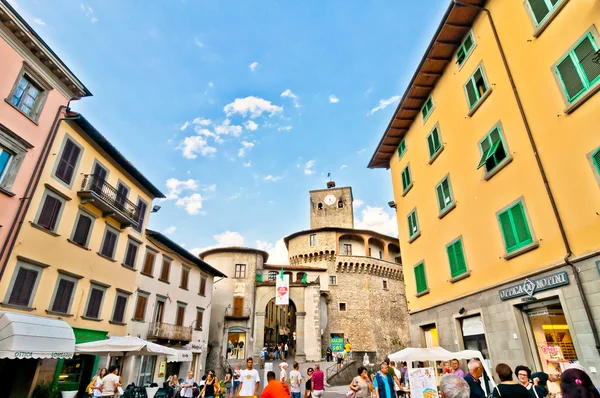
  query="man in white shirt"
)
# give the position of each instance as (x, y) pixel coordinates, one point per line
(295, 381)
(283, 372)
(110, 382)
(250, 381)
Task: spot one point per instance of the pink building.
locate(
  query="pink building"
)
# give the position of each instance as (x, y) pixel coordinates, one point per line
(35, 89)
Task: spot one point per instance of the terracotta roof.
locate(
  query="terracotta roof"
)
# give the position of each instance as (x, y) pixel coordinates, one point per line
(455, 24)
(235, 249)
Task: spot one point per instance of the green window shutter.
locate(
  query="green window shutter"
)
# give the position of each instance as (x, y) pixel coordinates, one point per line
(406, 178)
(420, 278)
(401, 148)
(443, 194)
(440, 197)
(520, 223)
(507, 231)
(461, 265)
(410, 225)
(433, 142)
(413, 228)
(539, 8)
(436, 139)
(597, 160)
(468, 44)
(570, 78)
(480, 83)
(460, 56)
(431, 145)
(471, 94)
(584, 53)
(489, 154)
(452, 260)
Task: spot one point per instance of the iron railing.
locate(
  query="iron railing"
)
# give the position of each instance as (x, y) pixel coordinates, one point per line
(110, 195)
(161, 330)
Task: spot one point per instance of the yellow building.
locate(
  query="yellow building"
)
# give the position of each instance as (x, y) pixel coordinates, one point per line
(495, 160)
(73, 255)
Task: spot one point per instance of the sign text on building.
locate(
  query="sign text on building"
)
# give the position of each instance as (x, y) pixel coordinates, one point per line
(530, 287)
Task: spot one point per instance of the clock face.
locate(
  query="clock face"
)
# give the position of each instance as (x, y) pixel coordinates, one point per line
(329, 200)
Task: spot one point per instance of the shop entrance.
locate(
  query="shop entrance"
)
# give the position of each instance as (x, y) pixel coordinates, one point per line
(17, 374)
(550, 336)
(280, 325)
(237, 340)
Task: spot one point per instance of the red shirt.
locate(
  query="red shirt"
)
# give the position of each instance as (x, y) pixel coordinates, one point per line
(318, 379)
(275, 389)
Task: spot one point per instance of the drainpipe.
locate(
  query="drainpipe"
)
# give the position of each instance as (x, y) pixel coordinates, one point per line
(538, 160)
(31, 187)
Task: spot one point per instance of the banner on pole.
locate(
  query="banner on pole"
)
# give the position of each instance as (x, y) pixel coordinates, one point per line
(282, 290)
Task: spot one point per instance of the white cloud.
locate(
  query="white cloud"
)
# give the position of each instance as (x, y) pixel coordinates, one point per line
(248, 164)
(263, 245)
(226, 128)
(271, 178)
(284, 128)
(383, 103)
(226, 239)
(211, 84)
(246, 146)
(89, 12)
(288, 93)
(333, 99)
(192, 146)
(377, 219)
(198, 43)
(192, 203)
(308, 167)
(176, 187)
(184, 126)
(202, 122)
(250, 125)
(252, 106)
(278, 253)
(170, 230)
(253, 66)
(39, 21)
(356, 203)
(342, 167)
(361, 151)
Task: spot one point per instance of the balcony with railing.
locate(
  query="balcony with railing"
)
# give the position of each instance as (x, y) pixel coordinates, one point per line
(109, 200)
(166, 331)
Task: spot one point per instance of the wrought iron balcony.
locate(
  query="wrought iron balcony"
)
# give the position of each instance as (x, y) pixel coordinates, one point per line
(106, 198)
(166, 331)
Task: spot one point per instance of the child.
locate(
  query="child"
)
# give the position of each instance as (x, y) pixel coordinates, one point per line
(447, 369)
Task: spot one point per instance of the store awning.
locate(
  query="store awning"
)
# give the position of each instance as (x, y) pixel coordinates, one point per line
(182, 356)
(120, 346)
(29, 336)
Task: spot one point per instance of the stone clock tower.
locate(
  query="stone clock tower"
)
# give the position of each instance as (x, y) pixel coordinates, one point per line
(331, 207)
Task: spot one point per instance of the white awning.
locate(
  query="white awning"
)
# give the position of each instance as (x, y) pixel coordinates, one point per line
(182, 356)
(29, 336)
(126, 345)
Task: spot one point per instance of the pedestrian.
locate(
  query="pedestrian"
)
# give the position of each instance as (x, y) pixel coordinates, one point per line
(94, 387)
(508, 387)
(523, 374)
(383, 383)
(456, 368)
(361, 384)
(285, 351)
(447, 368)
(576, 383)
(111, 382)
(241, 349)
(296, 381)
(229, 347)
(395, 373)
(250, 381)
(235, 349)
(473, 379)
(348, 349)
(329, 355)
(318, 382)
(228, 382)
(547, 382)
(263, 357)
(339, 359)
(210, 389)
(283, 372)
(188, 384)
(454, 386)
(274, 388)
(237, 373)
(308, 385)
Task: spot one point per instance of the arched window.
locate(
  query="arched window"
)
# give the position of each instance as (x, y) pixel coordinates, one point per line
(299, 276)
(272, 275)
(340, 204)
(320, 206)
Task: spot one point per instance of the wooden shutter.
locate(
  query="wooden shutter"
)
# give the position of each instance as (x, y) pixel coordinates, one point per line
(120, 309)
(23, 287)
(452, 259)
(507, 231)
(131, 255)
(82, 230)
(63, 296)
(199, 318)
(164, 272)
(520, 223)
(108, 248)
(238, 306)
(539, 9)
(148, 263)
(440, 196)
(49, 213)
(185, 274)
(68, 161)
(93, 310)
(584, 53)
(420, 278)
(471, 95)
(203, 286)
(570, 78)
(140, 308)
(430, 144)
(180, 315)
(456, 258)
(142, 207)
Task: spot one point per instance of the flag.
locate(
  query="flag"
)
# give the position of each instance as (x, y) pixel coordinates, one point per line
(304, 279)
(281, 273)
(328, 175)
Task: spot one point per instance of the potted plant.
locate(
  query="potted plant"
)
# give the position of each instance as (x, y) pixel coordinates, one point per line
(44, 390)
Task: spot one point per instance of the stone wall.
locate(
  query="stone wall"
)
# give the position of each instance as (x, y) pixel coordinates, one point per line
(300, 245)
(331, 215)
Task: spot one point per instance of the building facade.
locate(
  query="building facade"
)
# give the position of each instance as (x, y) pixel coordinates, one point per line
(345, 284)
(496, 169)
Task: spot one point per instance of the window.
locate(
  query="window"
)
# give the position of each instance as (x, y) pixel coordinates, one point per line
(444, 195)
(28, 95)
(199, 318)
(94, 303)
(109, 243)
(596, 160)
(81, 233)
(413, 225)
(67, 163)
(493, 150)
(406, 180)
(385, 285)
(465, 49)
(340, 204)
(541, 9)
(140, 307)
(320, 206)
(420, 278)
(13, 149)
(149, 263)
(146, 370)
(120, 307)
(456, 258)
(240, 271)
(434, 143)
(476, 87)
(65, 286)
(24, 285)
(166, 268)
(185, 276)
(401, 148)
(180, 314)
(142, 208)
(427, 108)
(332, 280)
(515, 228)
(300, 276)
(50, 212)
(346, 249)
(121, 199)
(131, 254)
(5, 159)
(313, 239)
(342, 306)
(203, 280)
(576, 71)
(272, 275)
(238, 306)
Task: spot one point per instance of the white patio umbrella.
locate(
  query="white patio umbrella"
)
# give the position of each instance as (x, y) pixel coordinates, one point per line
(123, 346)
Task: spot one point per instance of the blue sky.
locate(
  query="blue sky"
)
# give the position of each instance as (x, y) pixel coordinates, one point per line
(236, 109)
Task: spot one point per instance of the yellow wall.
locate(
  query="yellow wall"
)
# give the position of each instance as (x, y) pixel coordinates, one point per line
(58, 253)
(564, 140)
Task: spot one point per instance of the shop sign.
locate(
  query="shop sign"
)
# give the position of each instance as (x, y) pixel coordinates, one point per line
(472, 326)
(282, 290)
(53, 355)
(194, 347)
(337, 344)
(530, 287)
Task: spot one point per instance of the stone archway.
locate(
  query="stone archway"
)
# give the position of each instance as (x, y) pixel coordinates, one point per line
(280, 324)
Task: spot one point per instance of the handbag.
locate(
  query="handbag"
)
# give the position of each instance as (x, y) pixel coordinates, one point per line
(351, 393)
(90, 387)
(120, 391)
(182, 391)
